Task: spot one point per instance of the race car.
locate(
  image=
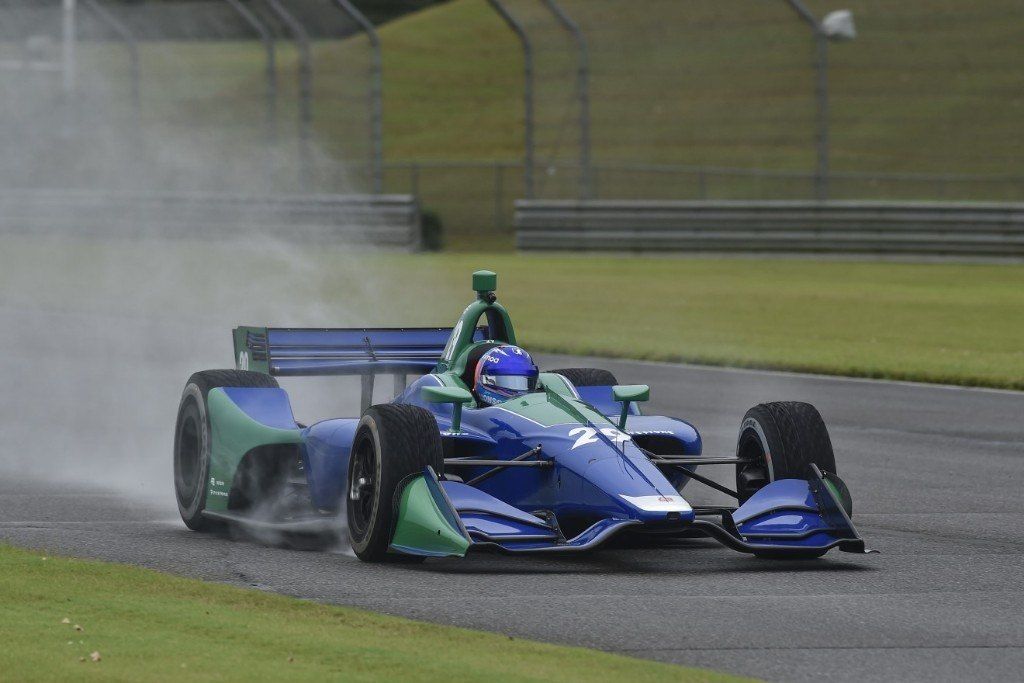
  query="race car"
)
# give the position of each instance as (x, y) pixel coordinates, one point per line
(482, 450)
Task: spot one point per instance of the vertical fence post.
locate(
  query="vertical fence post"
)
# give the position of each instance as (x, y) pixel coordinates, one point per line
(524, 40)
(301, 37)
(376, 95)
(821, 94)
(267, 38)
(582, 92)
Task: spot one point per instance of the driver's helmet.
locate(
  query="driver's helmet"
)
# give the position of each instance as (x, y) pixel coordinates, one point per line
(504, 372)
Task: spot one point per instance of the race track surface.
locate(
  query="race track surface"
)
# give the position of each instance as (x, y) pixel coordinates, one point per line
(936, 474)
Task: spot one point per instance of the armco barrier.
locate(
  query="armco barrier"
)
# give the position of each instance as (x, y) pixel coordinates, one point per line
(391, 221)
(855, 227)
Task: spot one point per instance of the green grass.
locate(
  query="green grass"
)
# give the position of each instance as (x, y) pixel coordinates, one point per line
(948, 323)
(933, 322)
(149, 626)
(951, 323)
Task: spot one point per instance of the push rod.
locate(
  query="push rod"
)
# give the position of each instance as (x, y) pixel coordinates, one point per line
(505, 463)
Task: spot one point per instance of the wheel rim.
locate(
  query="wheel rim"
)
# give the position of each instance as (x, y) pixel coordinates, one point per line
(753, 475)
(188, 467)
(362, 491)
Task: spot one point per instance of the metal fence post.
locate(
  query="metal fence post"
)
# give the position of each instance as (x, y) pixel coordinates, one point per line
(376, 94)
(582, 92)
(524, 40)
(301, 37)
(267, 38)
(821, 94)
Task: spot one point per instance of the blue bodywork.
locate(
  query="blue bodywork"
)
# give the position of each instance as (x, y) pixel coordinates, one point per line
(592, 476)
(600, 478)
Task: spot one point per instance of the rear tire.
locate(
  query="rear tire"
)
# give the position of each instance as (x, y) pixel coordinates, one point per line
(588, 377)
(393, 442)
(192, 439)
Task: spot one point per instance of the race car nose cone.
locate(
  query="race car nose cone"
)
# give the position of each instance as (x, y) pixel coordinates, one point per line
(675, 505)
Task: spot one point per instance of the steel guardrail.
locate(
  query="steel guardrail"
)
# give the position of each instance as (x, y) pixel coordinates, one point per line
(391, 221)
(986, 229)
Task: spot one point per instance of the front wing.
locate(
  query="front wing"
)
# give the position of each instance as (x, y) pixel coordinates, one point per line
(789, 517)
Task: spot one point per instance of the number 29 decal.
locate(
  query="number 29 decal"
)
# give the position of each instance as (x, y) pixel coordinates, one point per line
(589, 434)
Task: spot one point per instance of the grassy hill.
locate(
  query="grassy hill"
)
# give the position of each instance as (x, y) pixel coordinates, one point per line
(927, 87)
(923, 88)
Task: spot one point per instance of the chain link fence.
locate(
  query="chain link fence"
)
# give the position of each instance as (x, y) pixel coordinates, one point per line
(211, 95)
(658, 99)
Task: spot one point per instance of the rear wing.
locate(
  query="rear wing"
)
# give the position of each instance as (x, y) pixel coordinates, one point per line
(309, 352)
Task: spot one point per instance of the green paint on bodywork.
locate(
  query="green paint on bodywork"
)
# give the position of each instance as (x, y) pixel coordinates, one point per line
(454, 358)
(629, 393)
(485, 281)
(423, 527)
(455, 352)
(551, 408)
(446, 395)
(457, 396)
(232, 435)
(556, 383)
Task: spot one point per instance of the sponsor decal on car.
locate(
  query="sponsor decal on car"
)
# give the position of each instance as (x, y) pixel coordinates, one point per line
(661, 503)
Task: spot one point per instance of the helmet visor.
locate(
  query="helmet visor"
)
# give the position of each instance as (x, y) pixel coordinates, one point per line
(510, 382)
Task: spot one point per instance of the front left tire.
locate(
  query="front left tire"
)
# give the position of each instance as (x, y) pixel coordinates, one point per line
(393, 442)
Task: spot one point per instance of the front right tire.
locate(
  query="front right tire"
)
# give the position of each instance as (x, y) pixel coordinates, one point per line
(588, 377)
(781, 440)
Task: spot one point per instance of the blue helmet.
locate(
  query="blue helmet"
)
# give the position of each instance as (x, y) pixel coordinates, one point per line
(504, 372)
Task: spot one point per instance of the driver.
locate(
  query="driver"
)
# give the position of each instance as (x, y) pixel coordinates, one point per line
(504, 372)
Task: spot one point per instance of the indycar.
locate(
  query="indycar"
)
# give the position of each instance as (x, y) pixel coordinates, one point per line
(563, 467)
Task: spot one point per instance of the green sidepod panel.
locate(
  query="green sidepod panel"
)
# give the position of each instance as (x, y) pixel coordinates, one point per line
(232, 435)
(427, 524)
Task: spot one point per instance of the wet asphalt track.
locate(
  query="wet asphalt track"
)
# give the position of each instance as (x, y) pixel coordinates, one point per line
(936, 474)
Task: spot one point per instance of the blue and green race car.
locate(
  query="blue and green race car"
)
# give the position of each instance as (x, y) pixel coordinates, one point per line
(479, 450)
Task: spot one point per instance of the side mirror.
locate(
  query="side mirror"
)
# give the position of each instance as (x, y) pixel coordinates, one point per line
(629, 393)
(454, 395)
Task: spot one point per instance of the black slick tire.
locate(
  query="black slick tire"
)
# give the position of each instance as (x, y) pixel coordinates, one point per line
(393, 442)
(588, 377)
(192, 439)
(782, 440)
